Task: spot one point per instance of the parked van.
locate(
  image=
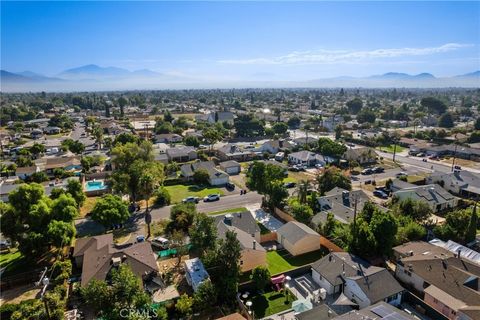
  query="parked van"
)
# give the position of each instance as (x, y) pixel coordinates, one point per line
(161, 242)
(280, 156)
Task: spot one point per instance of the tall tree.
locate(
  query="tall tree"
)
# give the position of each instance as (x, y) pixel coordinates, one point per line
(471, 232)
(109, 210)
(203, 233)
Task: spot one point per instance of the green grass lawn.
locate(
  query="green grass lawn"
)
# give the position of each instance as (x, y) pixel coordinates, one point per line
(281, 261)
(13, 262)
(389, 149)
(233, 210)
(271, 302)
(180, 191)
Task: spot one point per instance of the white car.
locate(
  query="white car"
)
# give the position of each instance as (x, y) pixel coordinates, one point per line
(211, 197)
(191, 200)
(161, 242)
(401, 174)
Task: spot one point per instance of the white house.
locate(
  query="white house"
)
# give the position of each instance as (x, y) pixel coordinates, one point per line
(230, 167)
(361, 283)
(195, 273)
(216, 177)
(463, 183)
(436, 197)
(308, 158)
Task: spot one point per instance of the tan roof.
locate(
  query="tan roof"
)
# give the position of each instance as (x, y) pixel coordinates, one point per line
(233, 316)
(444, 297)
(419, 250)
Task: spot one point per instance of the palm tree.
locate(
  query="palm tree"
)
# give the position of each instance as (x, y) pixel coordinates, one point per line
(302, 190)
(98, 134)
(148, 184)
(306, 127)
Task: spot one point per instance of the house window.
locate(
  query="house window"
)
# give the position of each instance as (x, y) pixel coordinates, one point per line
(241, 262)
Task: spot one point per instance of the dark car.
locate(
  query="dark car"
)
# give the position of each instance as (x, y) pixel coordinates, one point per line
(230, 186)
(289, 185)
(378, 170)
(380, 194)
(367, 171)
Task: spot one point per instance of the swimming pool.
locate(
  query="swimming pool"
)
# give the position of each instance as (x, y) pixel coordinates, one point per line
(95, 185)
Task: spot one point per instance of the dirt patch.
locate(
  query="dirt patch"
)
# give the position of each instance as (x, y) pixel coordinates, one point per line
(19, 294)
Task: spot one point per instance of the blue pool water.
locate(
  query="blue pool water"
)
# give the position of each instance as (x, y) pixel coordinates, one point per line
(95, 185)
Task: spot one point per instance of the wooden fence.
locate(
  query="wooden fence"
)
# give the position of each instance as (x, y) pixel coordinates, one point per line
(272, 236)
(283, 215)
(329, 245)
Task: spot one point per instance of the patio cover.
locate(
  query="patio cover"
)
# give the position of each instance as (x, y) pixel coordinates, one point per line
(301, 306)
(342, 300)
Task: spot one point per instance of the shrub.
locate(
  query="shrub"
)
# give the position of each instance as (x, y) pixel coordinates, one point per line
(162, 197)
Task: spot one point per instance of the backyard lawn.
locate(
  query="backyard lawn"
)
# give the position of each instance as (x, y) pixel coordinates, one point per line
(88, 206)
(180, 191)
(13, 262)
(233, 210)
(281, 261)
(271, 302)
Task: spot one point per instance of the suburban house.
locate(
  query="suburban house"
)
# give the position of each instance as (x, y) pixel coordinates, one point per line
(215, 177)
(234, 152)
(379, 310)
(341, 203)
(248, 234)
(181, 154)
(220, 116)
(451, 149)
(448, 282)
(297, 238)
(360, 282)
(463, 183)
(304, 140)
(308, 158)
(25, 172)
(98, 255)
(230, 167)
(66, 162)
(277, 164)
(168, 138)
(363, 155)
(195, 273)
(330, 123)
(52, 130)
(143, 128)
(398, 185)
(36, 134)
(274, 146)
(436, 197)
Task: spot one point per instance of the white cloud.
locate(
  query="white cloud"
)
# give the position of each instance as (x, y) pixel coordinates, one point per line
(345, 56)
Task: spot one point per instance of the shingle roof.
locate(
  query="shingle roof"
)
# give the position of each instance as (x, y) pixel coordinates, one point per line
(241, 220)
(99, 251)
(295, 231)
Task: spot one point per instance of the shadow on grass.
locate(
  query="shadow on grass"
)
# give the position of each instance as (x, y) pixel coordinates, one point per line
(301, 260)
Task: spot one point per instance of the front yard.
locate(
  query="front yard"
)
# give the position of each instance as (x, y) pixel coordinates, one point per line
(271, 302)
(180, 191)
(281, 261)
(233, 210)
(389, 149)
(13, 262)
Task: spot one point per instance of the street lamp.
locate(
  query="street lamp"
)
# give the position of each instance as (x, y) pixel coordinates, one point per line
(286, 292)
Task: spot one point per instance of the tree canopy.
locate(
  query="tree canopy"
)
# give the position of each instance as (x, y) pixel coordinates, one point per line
(109, 210)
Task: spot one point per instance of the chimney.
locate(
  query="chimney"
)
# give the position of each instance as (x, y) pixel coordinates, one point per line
(254, 245)
(459, 252)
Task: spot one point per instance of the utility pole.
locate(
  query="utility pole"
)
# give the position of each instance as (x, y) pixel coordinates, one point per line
(455, 152)
(354, 221)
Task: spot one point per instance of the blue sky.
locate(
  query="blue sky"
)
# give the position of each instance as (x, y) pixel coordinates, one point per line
(243, 40)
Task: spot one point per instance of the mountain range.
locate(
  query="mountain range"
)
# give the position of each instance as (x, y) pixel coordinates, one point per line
(94, 77)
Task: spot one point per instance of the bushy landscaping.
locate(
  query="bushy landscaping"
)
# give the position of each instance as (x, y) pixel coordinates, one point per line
(281, 261)
(271, 302)
(181, 191)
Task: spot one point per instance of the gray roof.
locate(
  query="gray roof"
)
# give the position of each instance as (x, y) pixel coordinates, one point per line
(377, 283)
(295, 231)
(247, 240)
(304, 155)
(242, 220)
(379, 310)
(229, 163)
(430, 193)
(322, 312)
(179, 151)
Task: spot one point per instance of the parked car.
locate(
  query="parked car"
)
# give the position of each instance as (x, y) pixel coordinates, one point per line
(318, 166)
(290, 185)
(380, 194)
(191, 200)
(161, 242)
(457, 167)
(211, 197)
(140, 238)
(367, 171)
(378, 169)
(421, 154)
(5, 244)
(230, 186)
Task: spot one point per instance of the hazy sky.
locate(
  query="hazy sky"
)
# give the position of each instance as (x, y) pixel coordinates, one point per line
(248, 40)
